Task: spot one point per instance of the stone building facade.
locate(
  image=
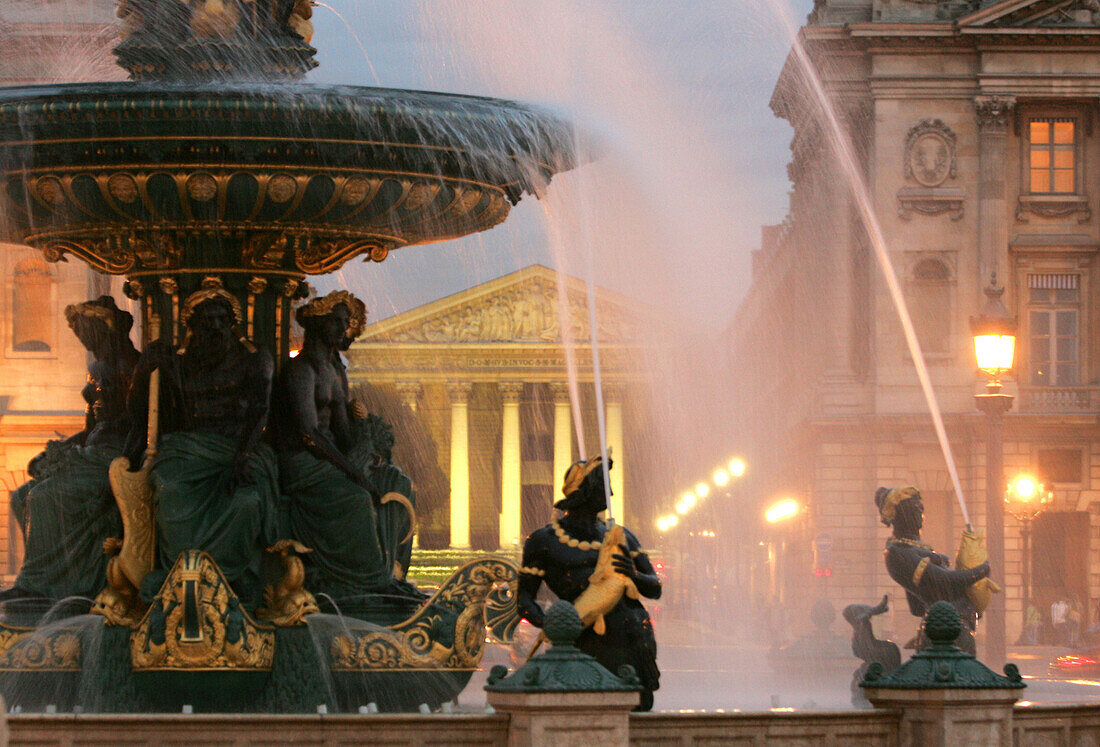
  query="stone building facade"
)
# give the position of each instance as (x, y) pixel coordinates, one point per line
(42, 365)
(500, 378)
(975, 132)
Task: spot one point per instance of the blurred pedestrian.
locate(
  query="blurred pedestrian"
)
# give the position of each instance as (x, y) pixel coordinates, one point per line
(1073, 624)
(1059, 616)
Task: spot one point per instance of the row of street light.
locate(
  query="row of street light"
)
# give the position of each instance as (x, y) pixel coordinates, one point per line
(692, 498)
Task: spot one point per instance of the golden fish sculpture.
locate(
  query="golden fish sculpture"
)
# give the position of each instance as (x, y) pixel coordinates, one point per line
(606, 587)
(972, 553)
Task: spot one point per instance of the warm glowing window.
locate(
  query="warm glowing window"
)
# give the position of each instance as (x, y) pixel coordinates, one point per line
(32, 323)
(1053, 329)
(1053, 156)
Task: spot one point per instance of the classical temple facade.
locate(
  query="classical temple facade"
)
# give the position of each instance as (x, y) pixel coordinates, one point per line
(42, 365)
(502, 382)
(974, 127)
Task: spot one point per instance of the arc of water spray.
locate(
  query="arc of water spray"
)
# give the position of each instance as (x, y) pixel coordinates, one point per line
(846, 154)
(568, 345)
(338, 14)
(601, 417)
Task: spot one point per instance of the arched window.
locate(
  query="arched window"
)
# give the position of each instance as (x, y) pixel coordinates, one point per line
(32, 323)
(930, 305)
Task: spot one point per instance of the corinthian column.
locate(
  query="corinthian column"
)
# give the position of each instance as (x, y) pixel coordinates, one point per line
(994, 113)
(410, 392)
(459, 393)
(563, 435)
(613, 396)
(510, 489)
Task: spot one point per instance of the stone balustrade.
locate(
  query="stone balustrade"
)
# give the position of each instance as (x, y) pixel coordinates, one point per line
(1031, 725)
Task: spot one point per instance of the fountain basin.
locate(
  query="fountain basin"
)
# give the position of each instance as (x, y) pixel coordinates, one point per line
(136, 177)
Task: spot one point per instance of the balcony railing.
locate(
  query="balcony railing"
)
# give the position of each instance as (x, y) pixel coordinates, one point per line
(1063, 399)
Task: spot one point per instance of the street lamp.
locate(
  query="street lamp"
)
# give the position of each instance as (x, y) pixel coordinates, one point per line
(778, 515)
(994, 333)
(1025, 499)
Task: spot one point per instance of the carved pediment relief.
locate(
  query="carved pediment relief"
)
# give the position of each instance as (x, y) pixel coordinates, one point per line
(522, 307)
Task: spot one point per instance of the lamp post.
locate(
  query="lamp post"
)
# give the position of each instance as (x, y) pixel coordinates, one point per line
(994, 332)
(779, 516)
(1025, 499)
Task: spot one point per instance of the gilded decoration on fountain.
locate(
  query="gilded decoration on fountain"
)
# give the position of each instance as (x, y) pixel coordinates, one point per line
(480, 593)
(306, 222)
(323, 306)
(288, 602)
(58, 650)
(196, 623)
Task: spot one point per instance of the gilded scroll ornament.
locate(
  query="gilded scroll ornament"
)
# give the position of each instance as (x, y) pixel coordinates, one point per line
(481, 591)
(57, 650)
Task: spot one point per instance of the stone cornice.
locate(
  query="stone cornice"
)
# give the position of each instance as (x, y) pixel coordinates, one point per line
(484, 363)
(938, 38)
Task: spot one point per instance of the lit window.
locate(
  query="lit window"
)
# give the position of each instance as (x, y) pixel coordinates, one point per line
(31, 321)
(1053, 156)
(1053, 329)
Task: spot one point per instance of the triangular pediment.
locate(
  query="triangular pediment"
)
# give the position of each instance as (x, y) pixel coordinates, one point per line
(1031, 13)
(522, 307)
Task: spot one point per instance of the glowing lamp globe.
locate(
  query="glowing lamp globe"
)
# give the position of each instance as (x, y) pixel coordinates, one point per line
(994, 353)
(994, 332)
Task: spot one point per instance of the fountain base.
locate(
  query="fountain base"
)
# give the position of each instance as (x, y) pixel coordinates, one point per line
(196, 646)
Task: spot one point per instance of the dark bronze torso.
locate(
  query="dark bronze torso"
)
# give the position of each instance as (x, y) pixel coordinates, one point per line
(213, 394)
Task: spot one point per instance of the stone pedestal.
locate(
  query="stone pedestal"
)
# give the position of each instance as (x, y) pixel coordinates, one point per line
(943, 718)
(552, 719)
(946, 696)
(564, 696)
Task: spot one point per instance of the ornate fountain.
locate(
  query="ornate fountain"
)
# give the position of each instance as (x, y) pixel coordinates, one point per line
(213, 171)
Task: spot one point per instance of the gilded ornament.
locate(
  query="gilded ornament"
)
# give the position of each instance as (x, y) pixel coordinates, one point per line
(355, 191)
(123, 188)
(281, 188)
(196, 622)
(287, 603)
(466, 199)
(378, 253)
(207, 294)
(257, 285)
(299, 21)
(202, 187)
(90, 310)
(27, 649)
(565, 539)
(420, 195)
(50, 190)
(266, 250)
(134, 289)
(130, 18)
(323, 306)
(482, 593)
(168, 286)
(214, 19)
